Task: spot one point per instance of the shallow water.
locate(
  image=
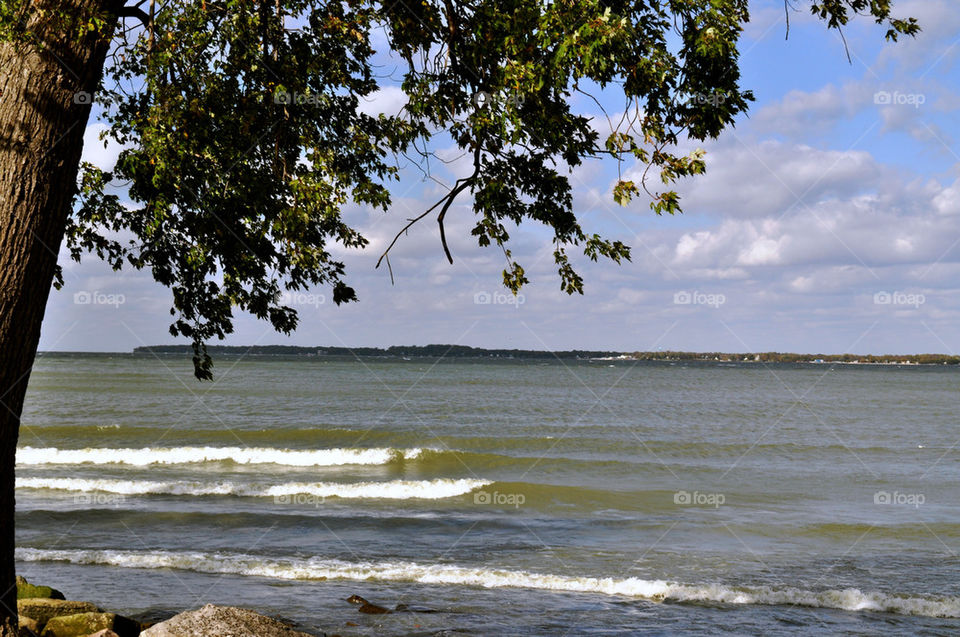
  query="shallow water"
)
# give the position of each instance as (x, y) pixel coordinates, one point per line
(511, 497)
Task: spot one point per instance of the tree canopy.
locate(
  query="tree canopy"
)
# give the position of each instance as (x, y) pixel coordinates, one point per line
(244, 138)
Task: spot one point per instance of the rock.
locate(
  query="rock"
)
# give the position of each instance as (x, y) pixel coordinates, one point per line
(367, 607)
(43, 609)
(106, 632)
(26, 590)
(83, 624)
(29, 624)
(223, 621)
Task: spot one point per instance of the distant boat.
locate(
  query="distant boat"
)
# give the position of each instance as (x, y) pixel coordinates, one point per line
(406, 358)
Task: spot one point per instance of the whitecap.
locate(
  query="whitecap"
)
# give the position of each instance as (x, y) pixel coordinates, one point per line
(850, 599)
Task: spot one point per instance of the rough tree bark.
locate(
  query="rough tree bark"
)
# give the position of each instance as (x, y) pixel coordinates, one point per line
(44, 108)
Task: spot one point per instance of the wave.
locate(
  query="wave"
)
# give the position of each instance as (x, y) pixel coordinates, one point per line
(525, 440)
(439, 461)
(188, 455)
(286, 493)
(850, 599)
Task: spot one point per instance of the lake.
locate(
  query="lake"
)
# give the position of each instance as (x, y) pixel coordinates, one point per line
(511, 497)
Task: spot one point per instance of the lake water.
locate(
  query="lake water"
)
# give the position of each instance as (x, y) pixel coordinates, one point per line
(511, 497)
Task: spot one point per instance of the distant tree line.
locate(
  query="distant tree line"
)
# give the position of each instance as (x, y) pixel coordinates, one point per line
(428, 351)
(464, 351)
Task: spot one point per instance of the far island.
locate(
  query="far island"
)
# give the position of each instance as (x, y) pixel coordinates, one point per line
(464, 351)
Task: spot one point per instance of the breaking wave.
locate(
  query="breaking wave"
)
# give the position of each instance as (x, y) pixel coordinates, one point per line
(850, 599)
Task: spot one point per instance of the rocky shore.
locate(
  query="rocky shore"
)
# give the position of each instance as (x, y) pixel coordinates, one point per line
(44, 612)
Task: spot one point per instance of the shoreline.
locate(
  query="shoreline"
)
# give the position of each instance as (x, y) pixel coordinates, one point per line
(44, 612)
(906, 360)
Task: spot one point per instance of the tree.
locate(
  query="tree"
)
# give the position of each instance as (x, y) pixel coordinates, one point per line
(243, 140)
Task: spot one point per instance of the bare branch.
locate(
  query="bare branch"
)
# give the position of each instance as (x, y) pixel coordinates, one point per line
(443, 212)
(410, 223)
(786, 13)
(846, 48)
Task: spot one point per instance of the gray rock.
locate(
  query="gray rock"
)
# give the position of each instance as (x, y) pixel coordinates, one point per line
(222, 621)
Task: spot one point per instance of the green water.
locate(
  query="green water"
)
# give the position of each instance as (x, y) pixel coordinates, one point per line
(607, 498)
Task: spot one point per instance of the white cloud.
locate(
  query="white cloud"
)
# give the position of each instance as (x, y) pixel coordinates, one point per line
(388, 100)
(101, 153)
(748, 179)
(802, 114)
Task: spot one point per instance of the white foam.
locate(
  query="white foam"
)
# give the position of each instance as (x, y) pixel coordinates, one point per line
(655, 590)
(393, 489)
(187, 455)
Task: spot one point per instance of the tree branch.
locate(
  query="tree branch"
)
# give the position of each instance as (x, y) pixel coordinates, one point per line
(446, 200)
(134, 12)
(443, 212)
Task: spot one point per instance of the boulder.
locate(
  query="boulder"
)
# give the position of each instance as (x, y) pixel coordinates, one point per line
(26, 590)
(106, 632)
(224, 621)
(42, 610)
(83, 624)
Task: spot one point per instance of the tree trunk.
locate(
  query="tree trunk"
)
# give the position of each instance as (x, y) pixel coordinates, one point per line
(44, 108)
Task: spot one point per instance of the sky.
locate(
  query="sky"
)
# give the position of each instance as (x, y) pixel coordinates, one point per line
(828, 221)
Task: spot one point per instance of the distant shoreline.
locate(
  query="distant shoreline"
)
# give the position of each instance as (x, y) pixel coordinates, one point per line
(463, 351)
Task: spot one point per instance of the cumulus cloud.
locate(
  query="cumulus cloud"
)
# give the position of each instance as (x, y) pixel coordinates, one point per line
(805, 113)
(749, 179)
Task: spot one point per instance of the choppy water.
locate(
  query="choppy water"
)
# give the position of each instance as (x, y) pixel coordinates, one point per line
(511, 497)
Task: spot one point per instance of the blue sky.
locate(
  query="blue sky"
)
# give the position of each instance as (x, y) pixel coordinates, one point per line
(828, 221)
